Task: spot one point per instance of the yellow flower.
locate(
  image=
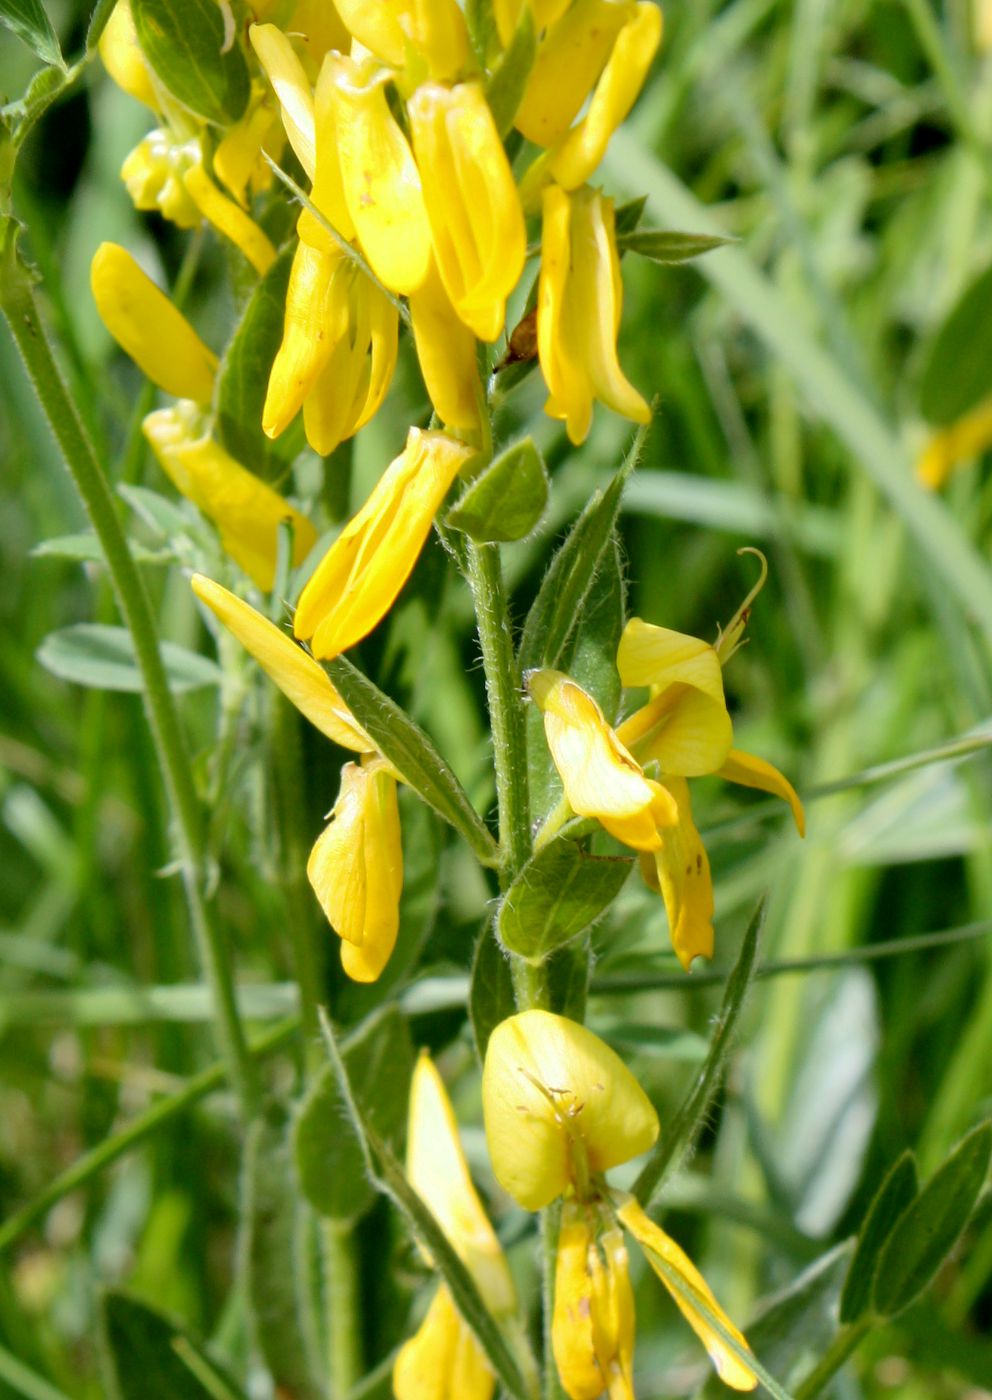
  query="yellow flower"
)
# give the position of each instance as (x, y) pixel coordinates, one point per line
(153, 176)
(600, 777)
(238, 159)
(579, 301)
(508, 12)
(680, 872)
(303, 681)
(381, 183)
(560, 1109)
(576, 153)
(123, 59)
(446, 350)
(229, 218)
(356, 867)
(289, 81)
(950, 447)
(147, 325)
(443, 1359)
(570, 58)
(245, 509)
(397, 31)
(359, 577)
(476, 222)
(592, 1329)
(338, 350)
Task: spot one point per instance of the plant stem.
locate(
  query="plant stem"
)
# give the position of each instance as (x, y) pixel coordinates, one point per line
(343, 1306)
(18, 303)
(506, 711)
(833, 1359)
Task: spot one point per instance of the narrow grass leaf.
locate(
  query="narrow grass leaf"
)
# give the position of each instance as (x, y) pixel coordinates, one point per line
(930, 1228)
(391, 1180)
(895, 1195)
(691, 1115)
(842, 403)
(409, 749)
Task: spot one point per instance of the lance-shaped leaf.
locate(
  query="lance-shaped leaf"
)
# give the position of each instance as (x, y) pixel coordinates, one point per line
(275, 1216)
(28, 20)
(896, 1193)
(389, 1177)
(330, 1163)
(144, 1346)
(691, 1115)
(102, 657)
(198, 61)
(412, 753)
(490, 998)
(244, 375)
(667, 245)
(930, 1228)
(556, 896)
(561, 598)
(505, 501)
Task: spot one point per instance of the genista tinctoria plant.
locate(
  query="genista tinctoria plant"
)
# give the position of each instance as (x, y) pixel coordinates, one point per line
(402, 188)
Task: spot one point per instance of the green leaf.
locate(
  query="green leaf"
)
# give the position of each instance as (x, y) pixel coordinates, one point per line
(244, 375)
(19, 116)
(28, 20)
(567, 974)
(894, 1196)
(200, 64)
(330, 1163)
(556, 896)
(151, 1357)
(390, 1178)
(957, 374)
(102, 11)
(507, 500)
(505, 85)
(668, 246)
(405, 744)
(490, 998)
(929, 1229)
(276, 1235)
(560, 601)
(85, 548)
(691, 1115)
(102, 657)
(163, 517)
(480, 19)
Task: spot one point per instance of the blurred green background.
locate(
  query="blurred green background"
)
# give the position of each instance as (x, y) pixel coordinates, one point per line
(847, 146)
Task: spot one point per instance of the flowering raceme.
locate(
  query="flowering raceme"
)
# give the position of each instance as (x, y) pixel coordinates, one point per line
(356, 865)
(246, 510)
(561, 1108)
(443, 1361)
(685, 729)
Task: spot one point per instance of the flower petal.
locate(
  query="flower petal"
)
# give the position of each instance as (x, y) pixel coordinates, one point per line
(750, 771)
(558, 1102)
(442, 1360)
(229, 219)
(301, 679)
(600, 777)
(147, 325)
(661, 1248)
(570, 58)
(592, 1328)
(285, 72)
(359, 577)
(447, 355)
(683, 872)
(437, 1169)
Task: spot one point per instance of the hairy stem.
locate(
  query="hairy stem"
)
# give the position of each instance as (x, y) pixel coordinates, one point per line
(20, 307)
(343, 1306)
